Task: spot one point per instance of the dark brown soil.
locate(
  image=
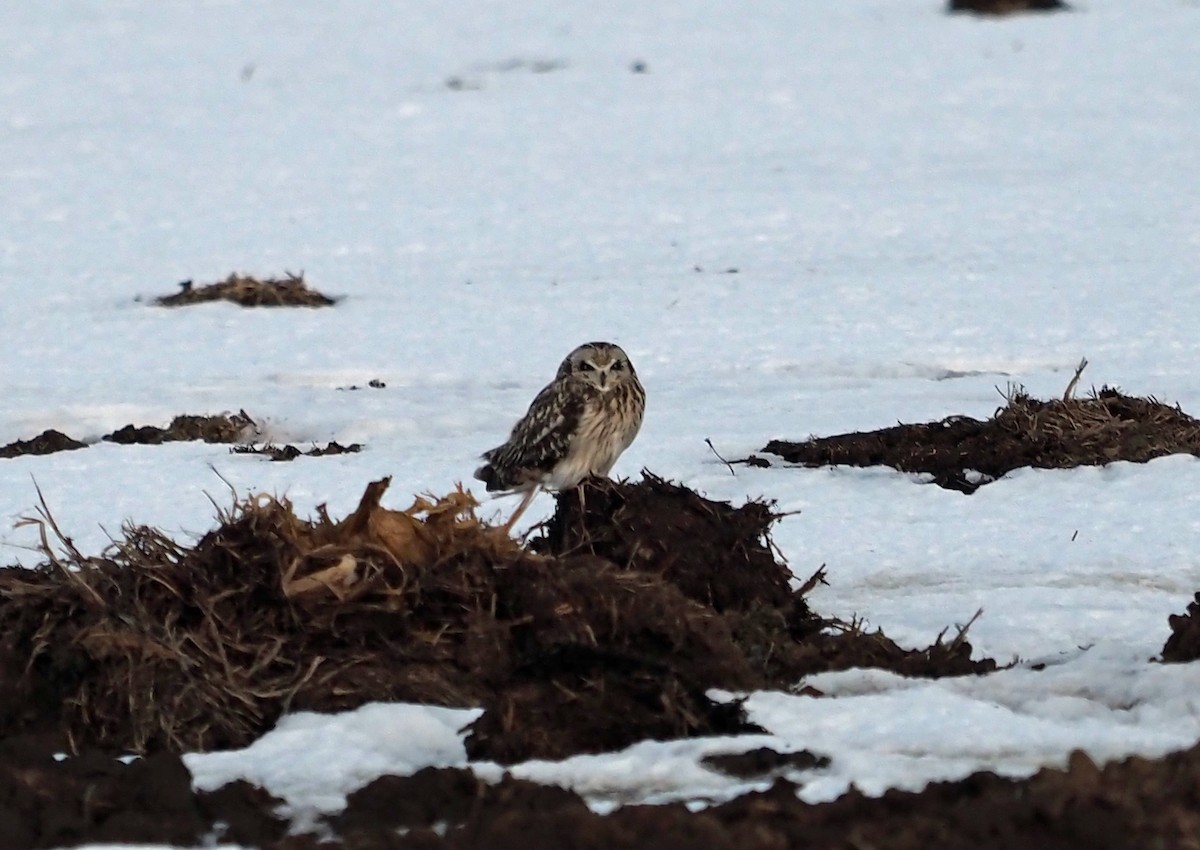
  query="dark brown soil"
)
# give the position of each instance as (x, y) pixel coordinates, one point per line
(291, 291)
(47, 442)
(762, 762)
(1184, 642)
(290, 452)
(632, 601)
(1128, 805)
(1133, 804)
(48, 802)
(222, 428)
(610, 631)
(1104, 427)
(1005, 7)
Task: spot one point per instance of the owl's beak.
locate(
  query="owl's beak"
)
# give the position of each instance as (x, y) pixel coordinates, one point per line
(603, 379)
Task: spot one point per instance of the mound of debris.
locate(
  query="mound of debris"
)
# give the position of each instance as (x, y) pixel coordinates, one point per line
(1184, 642)
(290, 452)
(221, 428)
(1005, 7)
(45, 443)
(963, 454)
(636, 600)
(290, 291)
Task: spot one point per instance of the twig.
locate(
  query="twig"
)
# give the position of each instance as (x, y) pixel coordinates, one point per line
(1070, 391)
(816, 578)
(962, 631)
(718, 454)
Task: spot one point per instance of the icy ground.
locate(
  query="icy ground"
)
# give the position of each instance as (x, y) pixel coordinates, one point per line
(802, 218)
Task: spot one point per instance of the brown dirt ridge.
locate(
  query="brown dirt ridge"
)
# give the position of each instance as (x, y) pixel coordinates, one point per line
(247, 291)
(608, 629)
(216, 428)
(45, 443)
(1005, 7)
(46, 802)
(290, 452)
(963, 454)
(220, 428)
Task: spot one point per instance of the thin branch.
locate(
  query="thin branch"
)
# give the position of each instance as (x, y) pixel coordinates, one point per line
(718, 454)
(1070, 391)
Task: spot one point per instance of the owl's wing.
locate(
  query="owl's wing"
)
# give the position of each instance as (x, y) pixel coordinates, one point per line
(539, 440)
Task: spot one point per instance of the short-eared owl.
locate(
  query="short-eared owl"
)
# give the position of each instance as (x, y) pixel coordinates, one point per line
(577, 426)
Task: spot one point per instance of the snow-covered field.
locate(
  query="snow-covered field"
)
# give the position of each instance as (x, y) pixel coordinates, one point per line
(802, 218)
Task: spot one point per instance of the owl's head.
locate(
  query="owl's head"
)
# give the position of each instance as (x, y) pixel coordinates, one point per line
(601, 364)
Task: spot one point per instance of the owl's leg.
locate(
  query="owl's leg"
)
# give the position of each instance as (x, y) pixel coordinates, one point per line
(525, 500)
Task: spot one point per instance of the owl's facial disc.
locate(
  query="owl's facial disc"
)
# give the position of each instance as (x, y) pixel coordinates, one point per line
(597, 372)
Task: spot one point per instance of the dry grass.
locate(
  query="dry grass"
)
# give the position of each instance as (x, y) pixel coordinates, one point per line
(203, 647)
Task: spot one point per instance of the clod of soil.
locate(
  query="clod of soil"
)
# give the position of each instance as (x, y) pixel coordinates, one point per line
(963, 454)
(223, 428)
(1184, 642)
(290, 452)
(291, 291)
(763, 761)
(637, 600)
(435, 797)
(95, 798)
(47, 442)
(374, 384)
(1005, 7)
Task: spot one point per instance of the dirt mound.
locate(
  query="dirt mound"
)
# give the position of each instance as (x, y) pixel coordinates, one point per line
(1005, 7)
(1133, 804)
(290, 452)
(291, 291)
(222, 428)
(1137, 803)
(963, 454)
(45, 443)
(635, 601)
(1184, 642)
(52, 802)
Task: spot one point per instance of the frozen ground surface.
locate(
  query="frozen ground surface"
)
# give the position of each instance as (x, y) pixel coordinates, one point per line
(918, 208)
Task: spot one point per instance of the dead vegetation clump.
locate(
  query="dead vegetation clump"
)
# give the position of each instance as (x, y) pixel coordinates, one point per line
(47, 442)
(962, 453)
(290, 291)
(636, 600)
(221, 428)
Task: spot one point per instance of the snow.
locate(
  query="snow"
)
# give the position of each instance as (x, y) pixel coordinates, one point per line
(920, 210)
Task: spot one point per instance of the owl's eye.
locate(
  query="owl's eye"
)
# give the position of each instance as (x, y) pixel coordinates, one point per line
(618, 366)
(586, 367)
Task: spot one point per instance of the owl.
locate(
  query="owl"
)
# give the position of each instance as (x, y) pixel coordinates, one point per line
(576, 427)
